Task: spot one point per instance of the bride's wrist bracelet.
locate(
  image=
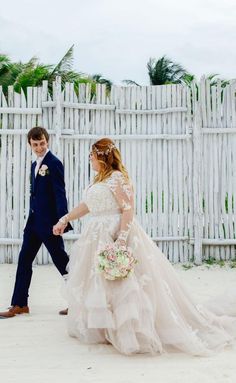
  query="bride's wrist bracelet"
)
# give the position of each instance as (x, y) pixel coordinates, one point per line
(64, 220)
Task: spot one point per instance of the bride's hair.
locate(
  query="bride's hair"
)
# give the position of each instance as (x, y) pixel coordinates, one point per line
(109, 158)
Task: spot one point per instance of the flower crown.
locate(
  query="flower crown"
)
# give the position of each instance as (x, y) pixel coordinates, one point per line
(105, 152)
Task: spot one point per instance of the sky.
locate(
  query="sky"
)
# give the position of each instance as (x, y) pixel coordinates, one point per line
(117, 38)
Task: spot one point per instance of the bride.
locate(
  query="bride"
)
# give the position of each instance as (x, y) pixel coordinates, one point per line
(150, 311)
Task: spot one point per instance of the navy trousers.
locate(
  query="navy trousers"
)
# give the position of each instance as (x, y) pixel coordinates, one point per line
(32, 241)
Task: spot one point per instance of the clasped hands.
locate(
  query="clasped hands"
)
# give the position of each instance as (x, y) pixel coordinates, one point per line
(59, 228)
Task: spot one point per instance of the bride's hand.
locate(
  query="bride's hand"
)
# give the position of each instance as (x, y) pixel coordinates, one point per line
(120, 243)
(59, 228)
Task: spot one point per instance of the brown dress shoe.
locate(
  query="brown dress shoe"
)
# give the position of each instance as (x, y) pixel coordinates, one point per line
(63, 312)
(14, 310)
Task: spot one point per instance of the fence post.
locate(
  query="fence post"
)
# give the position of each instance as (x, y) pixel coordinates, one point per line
(197, 185)
(58, 113)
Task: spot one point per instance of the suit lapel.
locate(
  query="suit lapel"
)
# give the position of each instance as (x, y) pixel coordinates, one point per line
(33, 176)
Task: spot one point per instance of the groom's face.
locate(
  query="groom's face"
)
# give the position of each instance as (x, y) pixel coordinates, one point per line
(39, 147)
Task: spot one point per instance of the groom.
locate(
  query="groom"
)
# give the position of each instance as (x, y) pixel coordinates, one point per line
(47, 205)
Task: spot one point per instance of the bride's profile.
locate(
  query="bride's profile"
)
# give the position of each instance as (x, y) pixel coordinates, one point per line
(149, 311)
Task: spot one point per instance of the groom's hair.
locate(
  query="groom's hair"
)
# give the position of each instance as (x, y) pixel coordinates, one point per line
(37, 133)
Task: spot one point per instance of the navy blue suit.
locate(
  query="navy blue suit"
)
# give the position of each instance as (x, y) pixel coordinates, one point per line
(47, 204)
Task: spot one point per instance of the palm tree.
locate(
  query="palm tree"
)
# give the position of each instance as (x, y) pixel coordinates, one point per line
(165, 71)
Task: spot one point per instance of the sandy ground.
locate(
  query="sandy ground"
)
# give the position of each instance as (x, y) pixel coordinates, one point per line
(35, 348)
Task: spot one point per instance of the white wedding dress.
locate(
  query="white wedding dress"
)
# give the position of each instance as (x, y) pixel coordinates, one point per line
(150, 311)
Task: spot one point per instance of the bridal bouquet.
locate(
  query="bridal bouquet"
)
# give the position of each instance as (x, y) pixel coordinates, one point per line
(115, 262)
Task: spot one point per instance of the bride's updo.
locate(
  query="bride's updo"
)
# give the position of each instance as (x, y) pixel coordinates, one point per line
(109, 158)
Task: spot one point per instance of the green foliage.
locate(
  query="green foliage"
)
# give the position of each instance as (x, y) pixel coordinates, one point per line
(33, 73)
(149, 202)
(228, 202)
(233, 265)
(98, 79)
(212, 261)
(165, 71)
(9, 72)
(188, 78)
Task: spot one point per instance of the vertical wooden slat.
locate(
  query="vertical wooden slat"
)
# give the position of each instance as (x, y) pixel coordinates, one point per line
(215, 172)
(16, 165)
(186, 125)
(206, 165)
(134, 163)
(155, 179)
(224, 193)
(3, 175)
(165, 174)
(180, 162)
(233, 175)
(198, 189)
(175, 174)
(160, 189)
(170, 195)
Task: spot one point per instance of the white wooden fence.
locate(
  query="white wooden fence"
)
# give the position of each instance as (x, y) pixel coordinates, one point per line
(179, 145)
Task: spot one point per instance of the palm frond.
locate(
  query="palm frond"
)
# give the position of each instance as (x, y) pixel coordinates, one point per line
(130, 82)
(4, 62)
(65, 64)
(188, 78)
(98, 79)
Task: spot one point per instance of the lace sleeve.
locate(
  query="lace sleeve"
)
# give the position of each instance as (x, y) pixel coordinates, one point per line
(124, 195)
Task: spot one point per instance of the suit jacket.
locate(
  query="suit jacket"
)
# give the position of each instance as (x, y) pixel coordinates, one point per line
(48, 198)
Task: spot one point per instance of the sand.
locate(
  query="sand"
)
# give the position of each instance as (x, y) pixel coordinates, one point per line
(36, 348)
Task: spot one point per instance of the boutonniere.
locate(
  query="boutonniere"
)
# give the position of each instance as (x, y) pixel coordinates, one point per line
(43, 171)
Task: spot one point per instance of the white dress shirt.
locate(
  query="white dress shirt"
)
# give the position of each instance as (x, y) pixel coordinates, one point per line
(39, 160)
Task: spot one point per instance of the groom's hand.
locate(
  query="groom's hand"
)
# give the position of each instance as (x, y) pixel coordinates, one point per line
(59, 228)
